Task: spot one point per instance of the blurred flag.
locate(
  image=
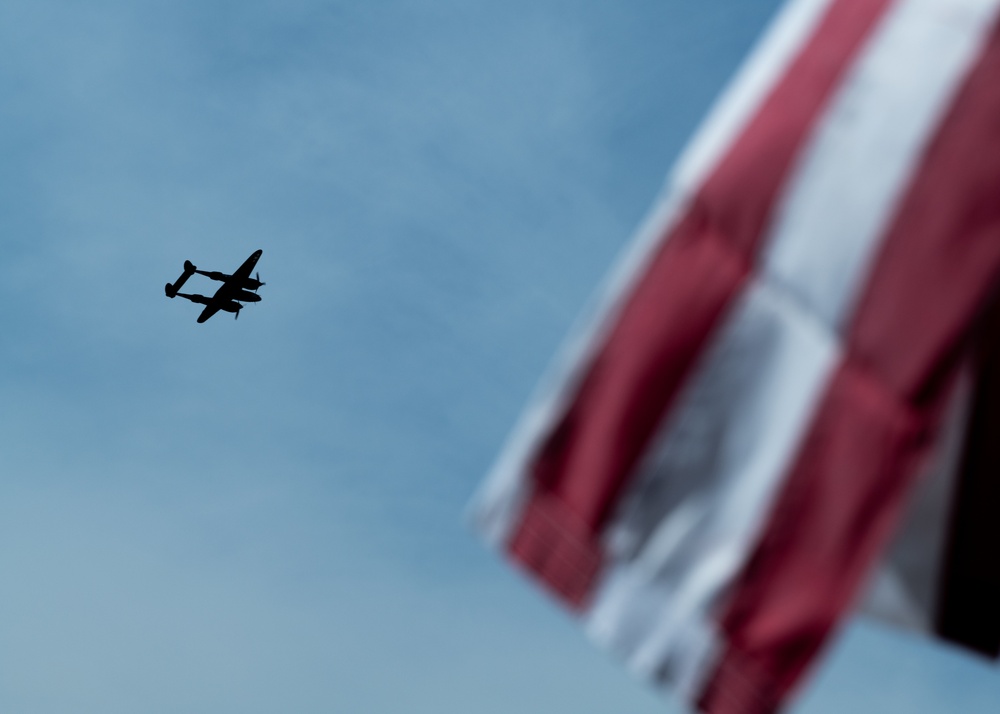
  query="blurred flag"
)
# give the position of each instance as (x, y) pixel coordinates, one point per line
(768, 420)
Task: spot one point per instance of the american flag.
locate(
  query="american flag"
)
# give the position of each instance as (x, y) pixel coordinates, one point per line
(785, 405)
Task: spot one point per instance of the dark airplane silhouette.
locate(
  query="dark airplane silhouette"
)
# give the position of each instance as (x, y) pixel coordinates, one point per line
(235, 288)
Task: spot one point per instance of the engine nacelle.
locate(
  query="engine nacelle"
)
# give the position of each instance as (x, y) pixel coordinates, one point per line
(231, 306)
(247, 296)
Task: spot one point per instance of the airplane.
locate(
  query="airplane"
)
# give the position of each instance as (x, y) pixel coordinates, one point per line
(236, 288)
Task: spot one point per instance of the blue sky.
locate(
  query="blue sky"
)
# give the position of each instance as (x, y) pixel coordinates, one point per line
(266, 515)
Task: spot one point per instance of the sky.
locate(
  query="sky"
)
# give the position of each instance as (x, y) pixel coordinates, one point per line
(266, 515)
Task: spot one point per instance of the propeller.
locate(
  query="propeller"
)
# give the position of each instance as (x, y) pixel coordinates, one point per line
(260, 284)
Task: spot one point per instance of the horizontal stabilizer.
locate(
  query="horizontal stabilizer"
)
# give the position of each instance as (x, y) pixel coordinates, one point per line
(172, 289)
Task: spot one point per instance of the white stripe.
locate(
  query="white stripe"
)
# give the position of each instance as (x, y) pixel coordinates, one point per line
(497, 506)
(858, 166)
(697, 508)
(687, 523)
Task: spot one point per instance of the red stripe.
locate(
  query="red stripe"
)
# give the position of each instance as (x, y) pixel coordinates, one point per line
(829, 521)
(583, 466)
(938, 263)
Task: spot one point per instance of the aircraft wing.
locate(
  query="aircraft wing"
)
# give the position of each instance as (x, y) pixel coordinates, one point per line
(211, 308)
(243, 272)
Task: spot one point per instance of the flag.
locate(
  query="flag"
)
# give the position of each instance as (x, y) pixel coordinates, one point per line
(779, 409)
